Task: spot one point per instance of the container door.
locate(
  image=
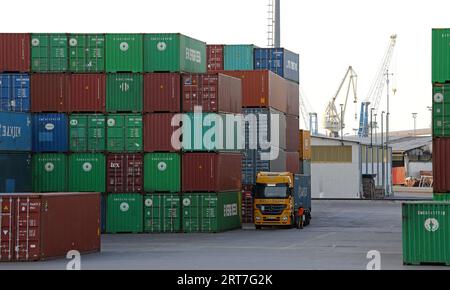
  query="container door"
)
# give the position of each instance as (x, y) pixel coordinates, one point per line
(6, 228)
(27, 232)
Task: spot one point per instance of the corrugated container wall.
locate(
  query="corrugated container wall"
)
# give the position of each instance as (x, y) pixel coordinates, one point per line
(87, 133)
(87, 93)
(87, 172)
(262, 89)
(211, 212)
(440, 55)
(15, 131)
(50, 133)
(238, 57)
(292, 133)
(426, 233)
(124, 53)
(292, 162)
(441, 110)
(293, 99)
(162, 213)
(305, 145)
(162, 92)
(441, 164)
(49, 52)
(215, 57)
(158, 133)
(172, 52)
(213, 92)
(124, 213)
(124, 93)
(441, 197)
(50, 93)
(14, 92)
(124, 133)
(14, 52)
(162, 172)
(124, 173)
(279, 60)
(253, 162)
(48, 226)
(86, 53)
(15, 172)
(211, 172)
(49, 172)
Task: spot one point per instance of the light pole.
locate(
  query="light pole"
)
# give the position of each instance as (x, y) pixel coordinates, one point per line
(342, 122)
(377, 147)
(371, 127)
(382, 152)
(415, 119)
(387, 131)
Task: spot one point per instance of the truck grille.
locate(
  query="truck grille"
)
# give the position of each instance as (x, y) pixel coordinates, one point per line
(271, 209)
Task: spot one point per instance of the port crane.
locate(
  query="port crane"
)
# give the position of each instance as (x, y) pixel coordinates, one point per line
(376, 90)
(306, 111)
(334, 120)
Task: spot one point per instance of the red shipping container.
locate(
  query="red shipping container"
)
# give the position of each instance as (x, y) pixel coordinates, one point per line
(293, 99)
(441, 165)
(124, 173)
(158, 131)
(215, 57)
(292, 133)
(212, 172)
(87, 93)
(398, 176)
(262, 89)
(214, 92)
(49, 92)
(293, 162)
(45, 226)
(162, 92)
(14, 52)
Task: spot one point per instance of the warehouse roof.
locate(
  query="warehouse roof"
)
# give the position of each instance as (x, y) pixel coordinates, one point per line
(409, 143)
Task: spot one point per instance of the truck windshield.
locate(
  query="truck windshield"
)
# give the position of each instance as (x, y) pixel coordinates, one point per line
(279, 191)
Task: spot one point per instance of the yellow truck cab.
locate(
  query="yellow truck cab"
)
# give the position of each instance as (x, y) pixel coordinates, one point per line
(280, 201)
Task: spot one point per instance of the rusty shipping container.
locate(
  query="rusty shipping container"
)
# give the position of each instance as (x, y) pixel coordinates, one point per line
(293, 162)
(158, 132)
(305, 145)
(162, 92)
(293, 99)
(262, 89)
(211, 172)
(124, 173)
(292, 133)
(43, 226)
(441, 164)
(214, 92)
(50, 92)
(87, 93)
(215, 58)
(15, 52)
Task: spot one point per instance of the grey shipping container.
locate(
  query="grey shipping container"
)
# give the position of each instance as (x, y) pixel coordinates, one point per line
(253, 161)
(265, 127)
(305, 167)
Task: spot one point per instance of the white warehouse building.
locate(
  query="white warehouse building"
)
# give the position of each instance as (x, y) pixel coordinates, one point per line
(338, 166)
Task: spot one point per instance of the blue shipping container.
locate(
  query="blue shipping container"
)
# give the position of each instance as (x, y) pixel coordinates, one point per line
(248, 167)
(15, 131)
(279, 60)
(238, 57)
(305, 167)
(50, 133)
(14, 92)
(15, 172)
(264, 128)
(302, 190)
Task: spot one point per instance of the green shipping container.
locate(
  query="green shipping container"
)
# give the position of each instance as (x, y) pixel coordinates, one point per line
(124, 213)
(426, 233)
(238, 57)
(162, 213)
(87, 172)
(49, 173)
(87, 133)
(124, 93)
(162, 172)
(441, 110)
(124, 53)
(441, 197)
(124, 133)
(86, 53)
(211, 212)
(49, 52)
(440, 55)
(198, 137)
(173, 52)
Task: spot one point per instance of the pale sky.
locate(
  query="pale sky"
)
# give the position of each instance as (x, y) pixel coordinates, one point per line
(329, 35)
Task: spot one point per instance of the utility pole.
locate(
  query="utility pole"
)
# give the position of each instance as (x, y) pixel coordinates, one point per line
(342, 122)
(377, 148)
(382, 152)
(415, 119)
(387, 130)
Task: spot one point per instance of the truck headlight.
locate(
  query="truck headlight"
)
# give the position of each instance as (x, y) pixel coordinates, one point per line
(258, 218)
(285, 218)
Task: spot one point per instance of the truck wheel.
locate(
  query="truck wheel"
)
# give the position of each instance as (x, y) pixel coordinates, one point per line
(258, 227)
(308, 219)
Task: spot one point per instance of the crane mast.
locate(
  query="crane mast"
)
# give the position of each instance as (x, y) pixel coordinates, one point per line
(334, 120)
(376, 90)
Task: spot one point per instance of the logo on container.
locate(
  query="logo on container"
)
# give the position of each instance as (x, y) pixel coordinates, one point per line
(193, 55)
(230, 210)
(432, 225)
(162, 166)
(161, 46)
(124, 207)
(148, 202)
(49, 167)
(292, 65)
(49, 126)
(124, 87)
(87, 167)
(186, 202)
(10, 131)
(124, 46)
